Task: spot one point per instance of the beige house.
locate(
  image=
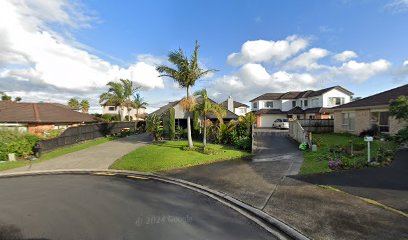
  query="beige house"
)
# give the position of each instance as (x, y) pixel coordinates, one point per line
(111, 109)
(236, 107)
(370, 112)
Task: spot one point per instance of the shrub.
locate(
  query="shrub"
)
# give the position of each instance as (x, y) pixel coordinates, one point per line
(373, 131)
(172, 124)
(15, 142)
(402, 136)
(244, 143)
(110, 117)
(335, 164)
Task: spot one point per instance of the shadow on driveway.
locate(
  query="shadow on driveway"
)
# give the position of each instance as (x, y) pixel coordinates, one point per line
(388, 185)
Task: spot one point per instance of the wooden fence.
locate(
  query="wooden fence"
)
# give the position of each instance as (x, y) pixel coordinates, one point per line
(82, 133)
(317, 125)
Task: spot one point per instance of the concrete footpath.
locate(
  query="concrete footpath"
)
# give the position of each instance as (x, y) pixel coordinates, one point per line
(97, 157)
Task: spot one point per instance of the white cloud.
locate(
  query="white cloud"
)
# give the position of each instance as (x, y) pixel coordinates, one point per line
(31, 51)
(345, 56)
(259, 51)
(402, 71)
(361, 71)
(308, 60)
(397, 6)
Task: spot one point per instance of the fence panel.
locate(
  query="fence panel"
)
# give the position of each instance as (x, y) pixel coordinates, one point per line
(317, 125)
(81, 133)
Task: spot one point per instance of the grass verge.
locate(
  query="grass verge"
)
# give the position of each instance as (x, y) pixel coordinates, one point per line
(317, 162)
(173, 154)
(56, 153)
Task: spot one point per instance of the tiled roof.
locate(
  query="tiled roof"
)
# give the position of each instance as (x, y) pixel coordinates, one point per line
(236, 104)
(270, 111)
(23, 112)
(295, 95)
(378, 99)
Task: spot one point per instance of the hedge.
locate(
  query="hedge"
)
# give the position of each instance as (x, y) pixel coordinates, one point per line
(15, 142)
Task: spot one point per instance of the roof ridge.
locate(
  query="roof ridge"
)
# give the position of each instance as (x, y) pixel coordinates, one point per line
(36, 112)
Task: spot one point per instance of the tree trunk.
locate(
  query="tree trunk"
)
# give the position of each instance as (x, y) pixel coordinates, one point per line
(190, 140)
(205, 135)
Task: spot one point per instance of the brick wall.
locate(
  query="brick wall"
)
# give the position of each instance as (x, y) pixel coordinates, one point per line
(362, 121)
(38, 129)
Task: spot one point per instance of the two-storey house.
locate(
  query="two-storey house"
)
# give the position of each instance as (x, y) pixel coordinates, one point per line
(112, 109)
(298, 105)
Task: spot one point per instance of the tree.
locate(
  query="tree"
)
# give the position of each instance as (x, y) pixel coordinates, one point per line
(186, 73)
(119, 94)
(5, 97)
(172, 123)
(399, 109)
(84, 105)
(138, 103)
(18, 99)
(154, 126)
(220, 112)
(73, 103)
(204, 108)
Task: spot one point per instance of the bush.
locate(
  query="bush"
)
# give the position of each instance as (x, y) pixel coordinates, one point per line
(402, 136)
(373, 131)
(15, 142)
(172, 124)
(244, 143)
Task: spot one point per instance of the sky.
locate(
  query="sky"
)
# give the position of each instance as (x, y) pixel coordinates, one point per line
(53, 50)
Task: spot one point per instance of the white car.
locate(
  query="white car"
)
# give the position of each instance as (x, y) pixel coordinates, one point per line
(281, 123)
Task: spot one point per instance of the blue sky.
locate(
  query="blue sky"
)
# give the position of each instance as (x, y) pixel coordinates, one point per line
(71, 49)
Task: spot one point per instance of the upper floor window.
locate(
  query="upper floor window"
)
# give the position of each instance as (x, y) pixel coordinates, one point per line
(111, 108)
(269, 104)
(333, 101)
(293, 103)
(305, 103)
(255, 105)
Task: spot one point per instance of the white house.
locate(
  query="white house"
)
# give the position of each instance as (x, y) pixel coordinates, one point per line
(298, 105)
(235, 107)
(111, 109)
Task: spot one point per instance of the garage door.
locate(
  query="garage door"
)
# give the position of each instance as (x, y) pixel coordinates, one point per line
(268, 119)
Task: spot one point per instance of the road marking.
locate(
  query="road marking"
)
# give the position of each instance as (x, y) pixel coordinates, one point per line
(104, 174)
(137, 177)
(367, 200)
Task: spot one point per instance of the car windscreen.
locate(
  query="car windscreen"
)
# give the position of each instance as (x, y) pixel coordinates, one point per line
(284, 120)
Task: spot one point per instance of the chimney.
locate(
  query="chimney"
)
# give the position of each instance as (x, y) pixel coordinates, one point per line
(230, 104)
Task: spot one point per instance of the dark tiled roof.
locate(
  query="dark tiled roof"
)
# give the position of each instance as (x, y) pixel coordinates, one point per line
(164, 108)
(295, 95)
(296, 110)
(270, 111)
(236, 104)
(378, 99)
(316, 110)
(22, 112)
(268, 96)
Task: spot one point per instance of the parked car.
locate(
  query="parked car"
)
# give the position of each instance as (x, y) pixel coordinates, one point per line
(281, 123)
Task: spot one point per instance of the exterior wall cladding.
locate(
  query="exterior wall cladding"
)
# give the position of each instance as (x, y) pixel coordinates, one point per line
(363, 122)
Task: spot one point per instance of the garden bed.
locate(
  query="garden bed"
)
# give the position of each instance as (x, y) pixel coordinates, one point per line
(334, 152)
(163, 156)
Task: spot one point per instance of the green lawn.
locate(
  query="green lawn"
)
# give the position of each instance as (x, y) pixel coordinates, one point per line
(170, 155)
(56, 153)
(317, 162)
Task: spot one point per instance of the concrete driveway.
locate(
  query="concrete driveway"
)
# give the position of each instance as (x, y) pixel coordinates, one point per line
(100, 207)
(97, 157)
(252, 180)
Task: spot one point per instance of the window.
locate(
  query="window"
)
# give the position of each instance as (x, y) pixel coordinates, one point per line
(242, 110)
(334, 101)
(293, 103)
(348, 121)
(255, 105)
(381, 120)
(111, 108)
(269, 104)
(305, 103)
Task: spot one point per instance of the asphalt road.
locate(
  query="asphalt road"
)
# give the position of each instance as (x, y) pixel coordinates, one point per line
(102, 207)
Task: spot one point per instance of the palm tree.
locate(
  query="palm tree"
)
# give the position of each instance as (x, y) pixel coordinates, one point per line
(186, 73)
(204, 107)
(138, 103)
(84, 105)
(73, 103)
(220, 112)
(119, 94)
(154, 126)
